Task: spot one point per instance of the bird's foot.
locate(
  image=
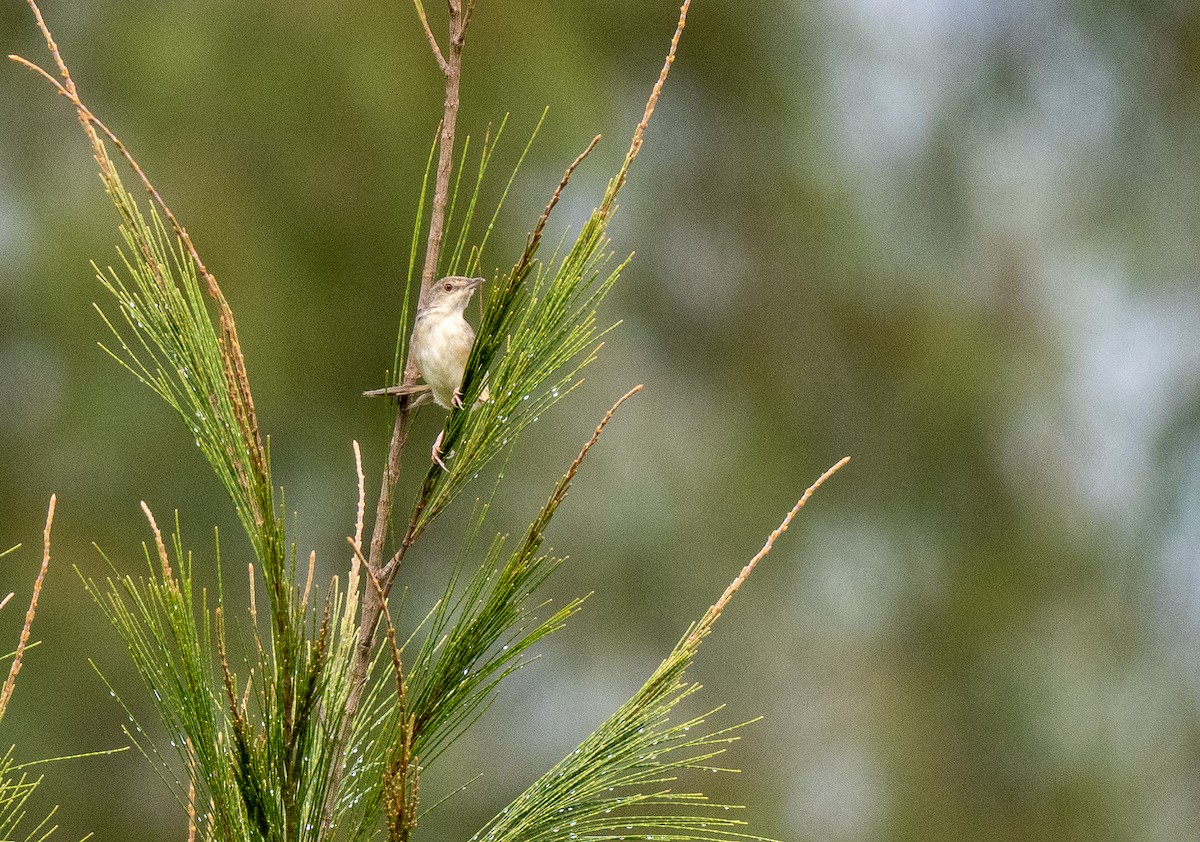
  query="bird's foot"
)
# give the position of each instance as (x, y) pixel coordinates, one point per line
(456, 398)
(437, 452)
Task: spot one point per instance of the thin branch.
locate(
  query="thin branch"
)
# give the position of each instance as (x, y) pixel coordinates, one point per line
(564, 483)
(191, 808)
(452, 70)
(562, 185)
(10, 683)
(372, 605)
(635, 145)
(360, 512)
(429, 36)
(91, 122)
(583, 452)
(714, 611)
(387, 618)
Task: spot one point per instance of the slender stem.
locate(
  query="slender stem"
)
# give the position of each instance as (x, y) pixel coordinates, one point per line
(11, 681)
(375, 598)
(562, 185)
(429, 36)
(451, 66)
(714, 611)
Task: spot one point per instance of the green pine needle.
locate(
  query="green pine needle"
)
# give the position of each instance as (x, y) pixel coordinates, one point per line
(167, 339)
(254, 740)
(618, 779)
(548, 330)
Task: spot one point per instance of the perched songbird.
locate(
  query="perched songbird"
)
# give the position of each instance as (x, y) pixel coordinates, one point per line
(442, 339)
(441, 344)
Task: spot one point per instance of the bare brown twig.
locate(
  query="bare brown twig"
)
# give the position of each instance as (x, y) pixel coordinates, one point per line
(430, 37)
(359, 514)
(560, 490)
(374, 600)
(451, 65)
(191, 803)
(562, 185)
(714, 611)
(10, 683)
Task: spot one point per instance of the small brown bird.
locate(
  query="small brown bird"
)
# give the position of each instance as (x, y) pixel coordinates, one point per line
(441, 344)
(442, 339)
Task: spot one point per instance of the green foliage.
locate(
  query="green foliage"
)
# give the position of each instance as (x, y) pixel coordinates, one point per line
(263, 767)
(471, 648)
(259, 760)
(16, 785)
(176, 350)
(271, 735)
(15, 789)
(474, 642)
(617, 783)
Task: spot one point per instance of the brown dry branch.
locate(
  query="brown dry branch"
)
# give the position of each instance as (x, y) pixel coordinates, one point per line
(710, 617)
(450, 64)
(639, 133)
(429, 36)
(400, 787)
(360, 512)
(191, 805)
(562, 185)
(10, 682)
(230, 681)
(560, 490)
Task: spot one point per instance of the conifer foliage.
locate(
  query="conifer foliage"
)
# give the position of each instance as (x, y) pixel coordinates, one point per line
(323, 727)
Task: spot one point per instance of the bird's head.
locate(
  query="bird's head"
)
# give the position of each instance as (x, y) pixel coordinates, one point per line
(449, 295)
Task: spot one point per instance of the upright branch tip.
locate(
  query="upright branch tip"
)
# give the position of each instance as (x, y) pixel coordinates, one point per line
(710, 616)
(10, 682)
(635, 144)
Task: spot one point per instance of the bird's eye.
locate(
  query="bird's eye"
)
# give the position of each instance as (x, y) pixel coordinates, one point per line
(448, 287)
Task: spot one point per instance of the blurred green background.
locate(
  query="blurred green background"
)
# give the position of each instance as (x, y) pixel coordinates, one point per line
(955, 239)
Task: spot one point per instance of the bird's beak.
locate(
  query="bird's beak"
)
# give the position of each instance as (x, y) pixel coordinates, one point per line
(472, 283)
